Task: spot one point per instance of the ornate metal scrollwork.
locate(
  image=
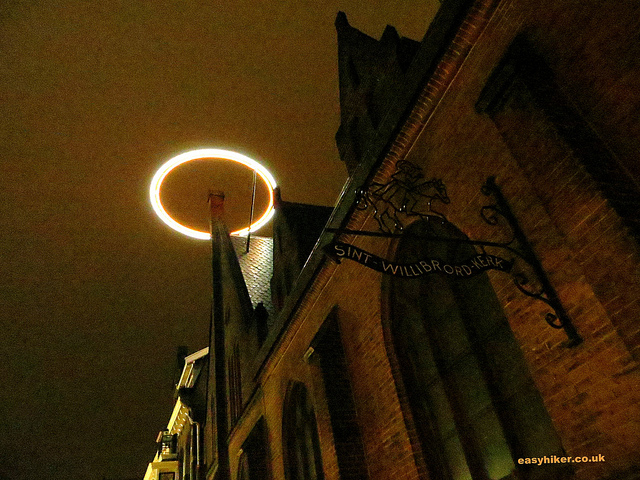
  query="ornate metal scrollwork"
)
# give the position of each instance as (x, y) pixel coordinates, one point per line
(519, 244)
(408, 195)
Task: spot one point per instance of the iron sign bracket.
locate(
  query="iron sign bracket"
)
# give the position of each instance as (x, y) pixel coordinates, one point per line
(407, 195)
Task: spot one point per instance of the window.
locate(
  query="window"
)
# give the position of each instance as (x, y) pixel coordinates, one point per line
(243, 468)
(474, 405)
(254, 461)
(337, 386)
(302, 459)
(235, 385)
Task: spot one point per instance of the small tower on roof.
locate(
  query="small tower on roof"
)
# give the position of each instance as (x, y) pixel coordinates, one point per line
(370, 74)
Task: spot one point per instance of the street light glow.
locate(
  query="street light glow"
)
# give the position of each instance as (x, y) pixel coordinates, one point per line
(214, 154)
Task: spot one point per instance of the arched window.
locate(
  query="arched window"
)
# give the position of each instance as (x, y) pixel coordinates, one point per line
(235, 384)
(474, 405)
(243, 468)
(302, 459)
(347, 440)
(254, 461)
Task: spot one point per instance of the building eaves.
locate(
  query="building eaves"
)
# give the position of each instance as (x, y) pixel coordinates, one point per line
(191, 369)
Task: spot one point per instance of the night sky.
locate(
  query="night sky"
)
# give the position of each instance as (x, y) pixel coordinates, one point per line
(96, 293)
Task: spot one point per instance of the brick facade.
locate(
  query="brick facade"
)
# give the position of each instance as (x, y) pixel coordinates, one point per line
(562, 141)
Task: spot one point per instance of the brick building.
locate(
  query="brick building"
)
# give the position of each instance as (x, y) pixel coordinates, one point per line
(472, 302)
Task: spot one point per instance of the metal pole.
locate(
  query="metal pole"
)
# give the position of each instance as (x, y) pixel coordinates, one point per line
(218, 234)
(253, 204)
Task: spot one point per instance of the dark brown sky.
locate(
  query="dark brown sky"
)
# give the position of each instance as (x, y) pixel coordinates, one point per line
(96, 293)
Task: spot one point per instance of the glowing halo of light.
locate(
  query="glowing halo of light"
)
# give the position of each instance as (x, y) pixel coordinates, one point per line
(214, 154)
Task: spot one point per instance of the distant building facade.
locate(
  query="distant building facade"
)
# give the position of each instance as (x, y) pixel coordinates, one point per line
(470, 308)
(180, 454)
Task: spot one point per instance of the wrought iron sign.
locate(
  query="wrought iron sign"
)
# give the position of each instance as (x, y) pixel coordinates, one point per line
(469, 268)
(407, 196)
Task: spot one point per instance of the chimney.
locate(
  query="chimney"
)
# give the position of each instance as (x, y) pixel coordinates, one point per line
(216, 204)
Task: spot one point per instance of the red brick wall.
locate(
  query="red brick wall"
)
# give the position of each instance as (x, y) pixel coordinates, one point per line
(591, 391)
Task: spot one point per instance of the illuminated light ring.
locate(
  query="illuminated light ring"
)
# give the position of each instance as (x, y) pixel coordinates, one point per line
(212, 153)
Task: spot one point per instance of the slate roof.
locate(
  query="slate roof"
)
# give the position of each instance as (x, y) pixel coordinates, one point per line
(257, 268)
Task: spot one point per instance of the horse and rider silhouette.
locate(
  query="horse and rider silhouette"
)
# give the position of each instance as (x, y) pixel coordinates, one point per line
(406, 194)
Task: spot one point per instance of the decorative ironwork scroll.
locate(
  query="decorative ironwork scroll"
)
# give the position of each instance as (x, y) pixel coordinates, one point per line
(519, 244)
(408, 195)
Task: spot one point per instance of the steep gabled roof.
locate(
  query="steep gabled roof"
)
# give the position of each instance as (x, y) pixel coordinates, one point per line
(257, 268)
